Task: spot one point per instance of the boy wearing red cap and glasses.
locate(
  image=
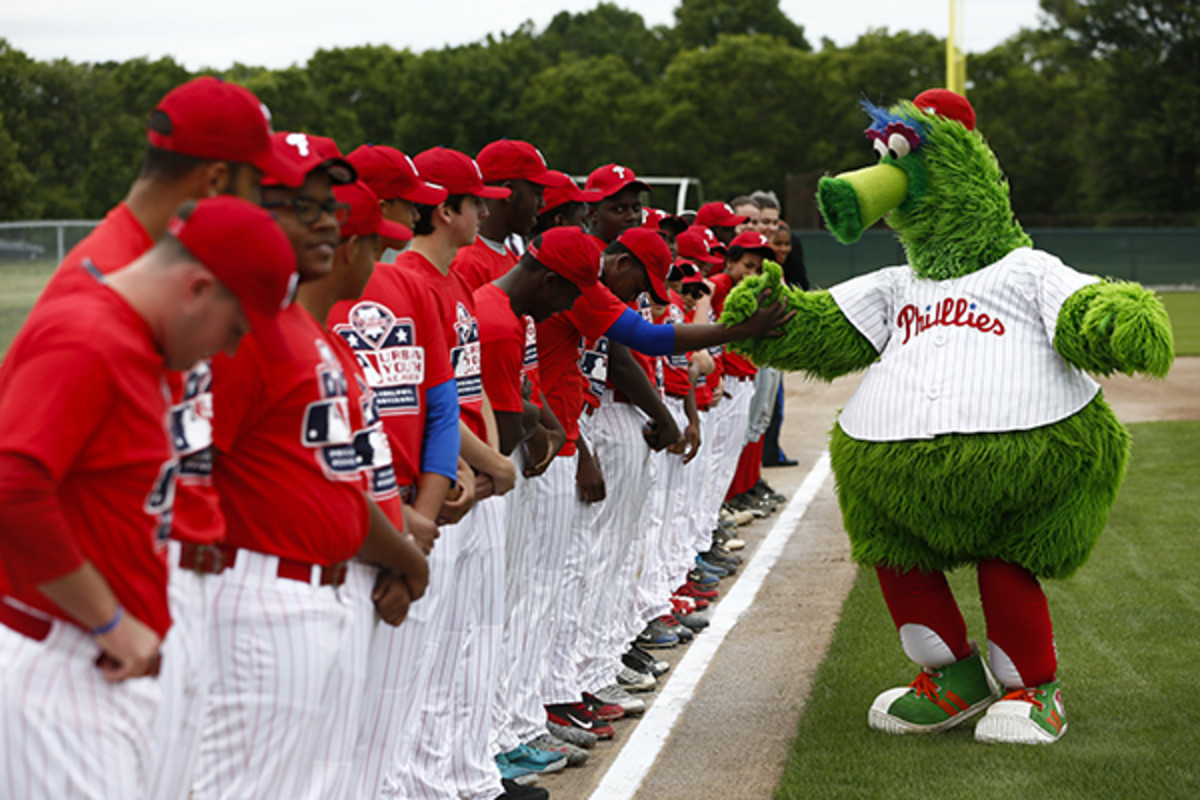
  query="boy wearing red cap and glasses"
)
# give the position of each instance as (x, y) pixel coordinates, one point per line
(87, 479)
(287, 472)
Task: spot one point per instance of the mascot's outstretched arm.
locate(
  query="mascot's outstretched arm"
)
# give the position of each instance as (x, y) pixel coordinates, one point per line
(1115, 327)
(818, 341)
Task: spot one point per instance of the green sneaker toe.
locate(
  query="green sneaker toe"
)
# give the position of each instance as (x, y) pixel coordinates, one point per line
(937, 700)
(1026, 716)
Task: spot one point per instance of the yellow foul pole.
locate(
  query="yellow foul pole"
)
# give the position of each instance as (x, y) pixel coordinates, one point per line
(956, 59)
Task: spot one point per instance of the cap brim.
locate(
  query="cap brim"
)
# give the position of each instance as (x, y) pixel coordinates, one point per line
(587, 196)
(341, 171)
(278, 168)
(426, 194)
(545, 179)
(685, 266)
(394, 231)
(658, 289)
(493, 192)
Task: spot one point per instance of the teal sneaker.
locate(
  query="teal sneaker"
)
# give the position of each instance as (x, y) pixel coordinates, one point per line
(530, 758)
(514, 773)
(1026, 716)
(937, 700)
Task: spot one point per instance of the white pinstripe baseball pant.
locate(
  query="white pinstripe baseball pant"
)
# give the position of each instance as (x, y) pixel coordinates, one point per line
(615, 431)
(543, 518)
(730, 433)
(560, 676)
(278, 660)
(667, 525)
(451, 756)
(185, 678)
(398, 679)
(64, 730)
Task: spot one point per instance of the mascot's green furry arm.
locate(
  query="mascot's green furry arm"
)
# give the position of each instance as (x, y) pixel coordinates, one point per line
(975, 436)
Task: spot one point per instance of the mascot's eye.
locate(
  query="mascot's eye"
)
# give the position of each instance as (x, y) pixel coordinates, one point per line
(880, 147)
(898, 145)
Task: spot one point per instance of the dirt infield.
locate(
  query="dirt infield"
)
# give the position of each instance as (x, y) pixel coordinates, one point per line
(733, 738)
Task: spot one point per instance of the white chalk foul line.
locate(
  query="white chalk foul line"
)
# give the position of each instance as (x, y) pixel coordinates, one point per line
(640, 751)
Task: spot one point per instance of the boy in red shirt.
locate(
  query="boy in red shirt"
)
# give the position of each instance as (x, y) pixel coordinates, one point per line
(296, 511)
(87, 479)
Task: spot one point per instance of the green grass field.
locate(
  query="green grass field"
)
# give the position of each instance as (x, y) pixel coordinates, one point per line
(1126, 626)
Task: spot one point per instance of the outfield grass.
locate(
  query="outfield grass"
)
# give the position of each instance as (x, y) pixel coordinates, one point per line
(1184, 308)
(1126, 626)
(20, 284)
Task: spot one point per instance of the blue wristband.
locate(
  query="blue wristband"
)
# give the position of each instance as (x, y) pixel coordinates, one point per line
(111, 624)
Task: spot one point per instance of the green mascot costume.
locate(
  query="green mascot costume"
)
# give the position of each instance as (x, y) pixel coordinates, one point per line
(976, 436)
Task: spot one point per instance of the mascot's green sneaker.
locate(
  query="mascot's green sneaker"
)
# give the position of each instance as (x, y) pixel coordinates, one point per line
(937, 700)
(1026, 716)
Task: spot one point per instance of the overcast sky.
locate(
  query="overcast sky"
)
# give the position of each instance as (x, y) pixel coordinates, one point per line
(277, 33)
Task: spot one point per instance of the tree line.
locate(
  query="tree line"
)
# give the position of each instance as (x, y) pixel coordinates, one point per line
(1093, 114)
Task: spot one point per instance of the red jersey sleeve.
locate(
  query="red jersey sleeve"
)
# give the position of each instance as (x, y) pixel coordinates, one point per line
(502, 349)
(594, 322)
(237, 386)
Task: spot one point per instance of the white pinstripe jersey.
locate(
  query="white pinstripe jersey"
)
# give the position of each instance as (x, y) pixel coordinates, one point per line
(966, 355)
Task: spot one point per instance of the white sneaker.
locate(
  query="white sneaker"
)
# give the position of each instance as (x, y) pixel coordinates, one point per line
(633, 681)
(615, 695)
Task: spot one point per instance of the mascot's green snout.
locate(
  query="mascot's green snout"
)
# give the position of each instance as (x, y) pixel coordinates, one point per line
(976, 437)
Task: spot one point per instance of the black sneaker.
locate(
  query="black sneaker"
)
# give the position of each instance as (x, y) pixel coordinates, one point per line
(655, 666)
(515, 791)
(765, 489)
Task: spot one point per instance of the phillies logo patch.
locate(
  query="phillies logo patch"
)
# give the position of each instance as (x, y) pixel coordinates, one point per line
(384, 345)
(957, 312)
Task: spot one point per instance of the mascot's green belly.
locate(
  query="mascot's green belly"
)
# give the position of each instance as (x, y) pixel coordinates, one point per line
(1038, 498)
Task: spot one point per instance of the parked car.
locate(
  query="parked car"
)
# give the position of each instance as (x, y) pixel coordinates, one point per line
(11, 250)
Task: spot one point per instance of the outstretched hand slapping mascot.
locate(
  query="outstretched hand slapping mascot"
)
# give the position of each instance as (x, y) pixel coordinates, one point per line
(976, 436)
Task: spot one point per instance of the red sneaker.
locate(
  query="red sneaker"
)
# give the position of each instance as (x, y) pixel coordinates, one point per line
(578, 715)
(690, 589)
(602, 710)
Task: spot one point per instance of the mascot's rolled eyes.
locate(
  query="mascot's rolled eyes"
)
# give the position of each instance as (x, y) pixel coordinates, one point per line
(897, 139)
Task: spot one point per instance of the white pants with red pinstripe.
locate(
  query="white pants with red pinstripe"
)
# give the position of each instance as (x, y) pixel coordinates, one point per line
(64, 730)
(568, 590)
(615, 433)
(398, 679)
(185, 678)
(278, 671)
(450, 758)
(539, 524)
(668, 527)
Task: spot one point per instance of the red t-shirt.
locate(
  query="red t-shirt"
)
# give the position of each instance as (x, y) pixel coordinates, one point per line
(117, 241)
(396, 333)
(503, 345)
(676, 378)
(651, 365)
(481, 264)
(560, 356)
(734, 365)
(82, 392)
(704, 392)
(456, 310)
(286, 469)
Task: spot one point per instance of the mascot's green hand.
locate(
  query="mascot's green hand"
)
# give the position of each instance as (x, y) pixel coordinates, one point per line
(818, 340)
(1115, 327)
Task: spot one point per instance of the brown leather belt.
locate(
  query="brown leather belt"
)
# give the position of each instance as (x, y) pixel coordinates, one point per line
(213, 559)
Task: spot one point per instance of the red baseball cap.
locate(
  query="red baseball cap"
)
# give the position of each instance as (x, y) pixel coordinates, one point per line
(307, 152)
(244, 247)
(946, 103)
(513, 159)
(682, 268)
(755, 242)
(365, 218)
(650, 249)
(693, 246)
(569, 252)
(563, 189)
(612, 178)
(221, 121)
(697, 279)
(719, 214)
(657, 219)
(391, 174)
(457, 173)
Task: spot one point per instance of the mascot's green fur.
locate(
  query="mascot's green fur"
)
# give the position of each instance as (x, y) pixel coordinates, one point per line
(1036, 497)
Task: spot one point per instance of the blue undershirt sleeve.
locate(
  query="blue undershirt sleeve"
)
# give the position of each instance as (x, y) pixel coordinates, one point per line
(633, 331)
(440, 441)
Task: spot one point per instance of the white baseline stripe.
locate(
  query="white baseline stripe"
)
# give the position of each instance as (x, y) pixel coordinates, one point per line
(641, 750)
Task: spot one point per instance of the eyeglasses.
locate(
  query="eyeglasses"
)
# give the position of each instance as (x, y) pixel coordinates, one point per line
(308, 209)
